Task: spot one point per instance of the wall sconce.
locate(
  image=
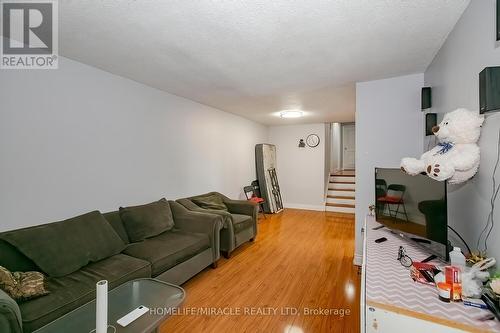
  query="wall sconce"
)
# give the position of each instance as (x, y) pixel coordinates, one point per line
(302, 144)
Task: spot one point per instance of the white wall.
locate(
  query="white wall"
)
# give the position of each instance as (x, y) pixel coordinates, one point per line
(453, 76)
(388, 127)
(300, 170)
(78, 138)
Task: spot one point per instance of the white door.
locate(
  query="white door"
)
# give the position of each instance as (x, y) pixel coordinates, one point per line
(348, 146)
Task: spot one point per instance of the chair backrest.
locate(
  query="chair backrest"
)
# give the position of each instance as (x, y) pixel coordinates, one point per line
(256, 188)
(380, 187)
(248, 190)
(397, 188)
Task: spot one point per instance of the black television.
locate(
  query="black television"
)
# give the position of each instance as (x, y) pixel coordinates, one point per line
(414, 207)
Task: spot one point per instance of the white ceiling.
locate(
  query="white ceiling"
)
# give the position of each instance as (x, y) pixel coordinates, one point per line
(257, 57)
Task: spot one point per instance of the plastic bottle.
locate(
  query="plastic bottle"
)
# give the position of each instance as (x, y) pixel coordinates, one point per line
(457, 258)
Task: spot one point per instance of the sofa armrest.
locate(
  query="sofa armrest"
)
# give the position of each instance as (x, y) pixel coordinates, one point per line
(10, 315)
(193, 221)
(195, 208)
(242, 207)
(189, 204)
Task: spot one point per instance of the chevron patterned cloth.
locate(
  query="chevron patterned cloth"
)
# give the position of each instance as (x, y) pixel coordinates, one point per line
(388, 282)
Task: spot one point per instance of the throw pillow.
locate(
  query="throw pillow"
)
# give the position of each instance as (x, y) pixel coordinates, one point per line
(210, 202)
(22, 286)
(147, 220)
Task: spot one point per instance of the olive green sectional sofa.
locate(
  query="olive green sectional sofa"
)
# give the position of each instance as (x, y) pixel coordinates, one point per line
(74, 254)
(240, 217)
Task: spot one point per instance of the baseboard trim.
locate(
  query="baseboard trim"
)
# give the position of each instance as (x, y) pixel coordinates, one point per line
(306, 207)
(358, 259)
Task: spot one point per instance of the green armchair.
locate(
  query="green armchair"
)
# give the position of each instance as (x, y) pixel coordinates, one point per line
(240, 220)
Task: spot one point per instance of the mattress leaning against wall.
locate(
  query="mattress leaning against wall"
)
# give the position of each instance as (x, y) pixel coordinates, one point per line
(265, 159)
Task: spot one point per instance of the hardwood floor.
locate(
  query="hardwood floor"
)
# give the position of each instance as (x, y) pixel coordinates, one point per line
(300, 261)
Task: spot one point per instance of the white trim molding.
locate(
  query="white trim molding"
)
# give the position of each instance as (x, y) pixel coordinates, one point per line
(358, 259)
(306, 207)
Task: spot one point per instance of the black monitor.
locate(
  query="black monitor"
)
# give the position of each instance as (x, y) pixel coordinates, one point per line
(415, 207)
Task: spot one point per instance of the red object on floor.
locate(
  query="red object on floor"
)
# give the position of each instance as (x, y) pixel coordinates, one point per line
(390, 199)
(256, 199)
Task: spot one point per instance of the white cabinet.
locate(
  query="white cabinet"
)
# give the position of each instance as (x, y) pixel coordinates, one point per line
(382, 321)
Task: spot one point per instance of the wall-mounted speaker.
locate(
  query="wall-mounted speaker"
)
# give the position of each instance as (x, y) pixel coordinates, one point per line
(489, 89)
(426, 97)
(498, 19)
(430, 122)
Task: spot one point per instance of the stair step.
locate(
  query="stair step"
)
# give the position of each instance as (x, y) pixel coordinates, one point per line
(341, 186)
(340, 205)
(340, 197)
(342, 189)
(340, 210)
(340, 201)
(337, 194)
(341, 182)
(341, 175)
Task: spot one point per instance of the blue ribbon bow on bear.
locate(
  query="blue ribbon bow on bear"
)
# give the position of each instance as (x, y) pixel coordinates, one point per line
(445, 147)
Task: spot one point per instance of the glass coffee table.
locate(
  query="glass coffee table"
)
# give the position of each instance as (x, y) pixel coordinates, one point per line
(160, 297)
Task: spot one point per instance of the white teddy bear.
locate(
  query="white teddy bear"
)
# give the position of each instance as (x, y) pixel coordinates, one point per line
(456, 157)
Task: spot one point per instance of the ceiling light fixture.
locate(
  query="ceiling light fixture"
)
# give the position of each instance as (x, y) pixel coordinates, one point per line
(291, 114)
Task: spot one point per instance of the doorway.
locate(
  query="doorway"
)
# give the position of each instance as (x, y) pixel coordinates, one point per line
(348, 146)
(341, 185)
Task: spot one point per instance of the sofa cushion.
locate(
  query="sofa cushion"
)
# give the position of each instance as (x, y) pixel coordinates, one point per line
(15, 261)
(71, 291)
(168, 249)
(241, 222)
(147, 220)
(212, 201)
(61, 248)
(116, 222)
